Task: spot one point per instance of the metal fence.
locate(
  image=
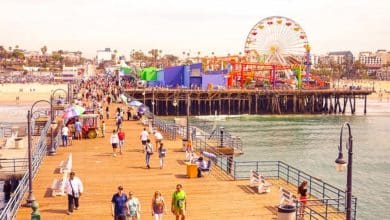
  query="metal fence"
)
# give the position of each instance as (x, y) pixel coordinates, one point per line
(316, 187)
(40, 150)
(13, 165)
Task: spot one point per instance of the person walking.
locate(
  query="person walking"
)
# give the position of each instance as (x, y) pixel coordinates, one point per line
(7, 189)
(144, 137)
(148, 152)
(114, 140)
(118, 121)
(70, 134)
(302, 191)
(161, 154)
(107, 112)
(103, 128)
(74, 189)
(77, 127)
(118, 207)
(121, 136)
(65, 133)
(133, 207)
(128, 113)
(158, 206)
(158, 136)
(179, 203)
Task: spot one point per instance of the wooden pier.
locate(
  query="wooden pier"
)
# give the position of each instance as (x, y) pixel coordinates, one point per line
(173, 102)
(216, 196)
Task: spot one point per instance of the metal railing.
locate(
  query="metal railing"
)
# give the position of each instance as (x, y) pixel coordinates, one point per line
(318, 209)
(168, 128)
(40, 150)
(280, 170)
(13, 165)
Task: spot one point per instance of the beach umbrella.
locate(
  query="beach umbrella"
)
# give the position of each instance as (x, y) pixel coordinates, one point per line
(135, 103)
(73, 111)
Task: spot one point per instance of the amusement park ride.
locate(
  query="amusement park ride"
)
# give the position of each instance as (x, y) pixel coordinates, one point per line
(277, 54)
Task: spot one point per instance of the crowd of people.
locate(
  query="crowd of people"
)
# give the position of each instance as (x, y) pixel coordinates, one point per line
(96, 96)
(127, 206)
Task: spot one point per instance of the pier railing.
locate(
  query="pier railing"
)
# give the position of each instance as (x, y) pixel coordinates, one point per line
(280, 170)
(38, 153)
(13, 165)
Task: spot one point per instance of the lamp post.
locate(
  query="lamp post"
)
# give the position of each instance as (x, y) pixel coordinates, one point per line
(188, 117)
(52, 150)
(221, 130)
(144, 94)
(341, 164)
(174, 103)
(31, 197)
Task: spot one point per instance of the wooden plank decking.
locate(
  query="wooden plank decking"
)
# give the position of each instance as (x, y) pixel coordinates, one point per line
(215, 196)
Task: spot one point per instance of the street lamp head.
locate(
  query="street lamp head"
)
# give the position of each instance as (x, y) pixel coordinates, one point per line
(340, 163)
(174, 103)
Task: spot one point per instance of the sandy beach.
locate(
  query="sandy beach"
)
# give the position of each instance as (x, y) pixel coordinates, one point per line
(381, 88)
(28, 93)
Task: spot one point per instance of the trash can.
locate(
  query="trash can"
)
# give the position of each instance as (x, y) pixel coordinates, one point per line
(18, 143)
(184, 144)
(286, 212)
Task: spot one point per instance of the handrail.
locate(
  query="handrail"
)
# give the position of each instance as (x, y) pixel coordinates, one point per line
(13, 165)
(39, 151)
(292, 175)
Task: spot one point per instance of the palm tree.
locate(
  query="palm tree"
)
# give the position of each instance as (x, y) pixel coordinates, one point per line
(44, 50)
(113, 56)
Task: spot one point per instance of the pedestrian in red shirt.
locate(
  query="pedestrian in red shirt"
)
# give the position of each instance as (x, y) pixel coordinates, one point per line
(121, 136)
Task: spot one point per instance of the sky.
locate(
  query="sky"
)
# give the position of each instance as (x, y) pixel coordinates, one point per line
(174, 26)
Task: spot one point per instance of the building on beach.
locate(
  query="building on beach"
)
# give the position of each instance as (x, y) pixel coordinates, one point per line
(104, 55)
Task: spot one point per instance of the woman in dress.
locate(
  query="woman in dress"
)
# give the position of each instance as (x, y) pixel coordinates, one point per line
(133, 207)
(158, 206)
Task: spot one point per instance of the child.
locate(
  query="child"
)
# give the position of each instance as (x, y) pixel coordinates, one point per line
(161, 154)
(103, 128)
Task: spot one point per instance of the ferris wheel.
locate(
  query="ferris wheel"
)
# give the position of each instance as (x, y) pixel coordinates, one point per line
(277, 40)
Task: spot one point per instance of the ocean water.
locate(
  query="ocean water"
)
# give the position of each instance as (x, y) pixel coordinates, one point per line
(309, 143)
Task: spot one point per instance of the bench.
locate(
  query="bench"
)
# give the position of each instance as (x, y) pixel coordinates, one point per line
(66, 165)
(58, 187)
(286, 197)
(258, 180)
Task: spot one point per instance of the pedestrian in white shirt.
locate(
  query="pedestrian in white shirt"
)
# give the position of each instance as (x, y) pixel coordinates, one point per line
(65, 133)
(114, 140)
(74, 189)
(158, 137)
(144, 137)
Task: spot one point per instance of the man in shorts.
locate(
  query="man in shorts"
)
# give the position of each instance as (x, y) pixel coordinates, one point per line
(144, 137)
(77, 127)
(179, 204)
